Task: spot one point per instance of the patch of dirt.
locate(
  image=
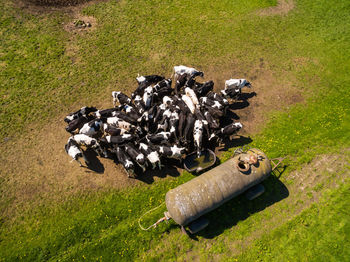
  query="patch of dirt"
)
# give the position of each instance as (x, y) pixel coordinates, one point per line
(283, 7)
(37, 167)
(89, 23)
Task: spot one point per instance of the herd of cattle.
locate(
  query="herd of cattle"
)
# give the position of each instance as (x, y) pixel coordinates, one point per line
(157, 121)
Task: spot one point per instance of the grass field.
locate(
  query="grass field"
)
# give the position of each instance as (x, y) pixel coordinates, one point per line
(299, 64)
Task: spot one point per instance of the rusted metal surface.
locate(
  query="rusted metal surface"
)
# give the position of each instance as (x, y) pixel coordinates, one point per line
(205, 193)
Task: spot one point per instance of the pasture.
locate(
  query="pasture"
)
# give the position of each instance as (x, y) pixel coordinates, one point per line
(295, 53)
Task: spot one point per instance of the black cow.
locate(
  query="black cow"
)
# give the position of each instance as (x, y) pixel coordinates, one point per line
(77, 123)
(125, 160)
(204, 89)
(121, 98)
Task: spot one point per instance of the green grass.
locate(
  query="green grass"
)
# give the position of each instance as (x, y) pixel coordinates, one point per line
(38, 81)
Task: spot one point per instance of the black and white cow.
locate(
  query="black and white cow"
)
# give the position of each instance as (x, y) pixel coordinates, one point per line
(148, 97)
(212, 103)
(121, 98)
(89, 142)
(219, 98)
(189, 103)
(179, 70)
(120, 140)
(73, 150)
(172, 152)
(125, 160)
(91, 128)
(151, 154)
(120, 123)
(180, 82)
(84, 111)
(228, 130)
(136, 155)
(204, 89)
(233, 87)
(113, 131)
(191, 94)
(216, 113)
(213, 124)
(106, 112)
(139, 104)
(187, 134)
(198, 136)
(149, 79)
(158, 138)
(77, 123)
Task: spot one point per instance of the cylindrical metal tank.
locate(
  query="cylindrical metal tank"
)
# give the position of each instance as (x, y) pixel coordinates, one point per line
(210, 190)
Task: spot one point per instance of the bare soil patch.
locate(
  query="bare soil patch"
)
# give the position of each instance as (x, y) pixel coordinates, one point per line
(283, 7)
(37, 168)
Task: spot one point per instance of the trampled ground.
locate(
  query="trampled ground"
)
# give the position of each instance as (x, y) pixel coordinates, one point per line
(299, 111)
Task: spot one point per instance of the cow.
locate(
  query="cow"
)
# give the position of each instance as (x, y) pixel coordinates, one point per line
(73, 150)
(211, 121)
(118, 122)
(121, 98)
(214, 111)
(201, 117)
(147, 97)
(89, 142)
(212, 103)
(105, 113)
(219, 98)
(151, 154)
(113, 131)
(136, 155)
(91, 128)
(198, 135)
(191, 94)
(158, 138)
(188, 128)
(172, 152)
(149, 79)
(139, 105)
(180, 82)
(77, 123)
(125, 160)
(162, 84)
(84, 111)
(233, 87)
(188, 101)
(120, 140)
(228, 130)
(179, 70)
(204, 89)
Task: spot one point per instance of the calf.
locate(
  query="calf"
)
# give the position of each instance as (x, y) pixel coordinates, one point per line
(136, 155)
(125, 160)
(211, 121)
(233, 87)
(91, 128)
(198, 135)
(201, 117)
(84, 111)
(121, 98)
(151, 154)
(72, 149)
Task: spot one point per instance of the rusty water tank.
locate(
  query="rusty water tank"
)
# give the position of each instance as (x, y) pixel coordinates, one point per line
(210, 190)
